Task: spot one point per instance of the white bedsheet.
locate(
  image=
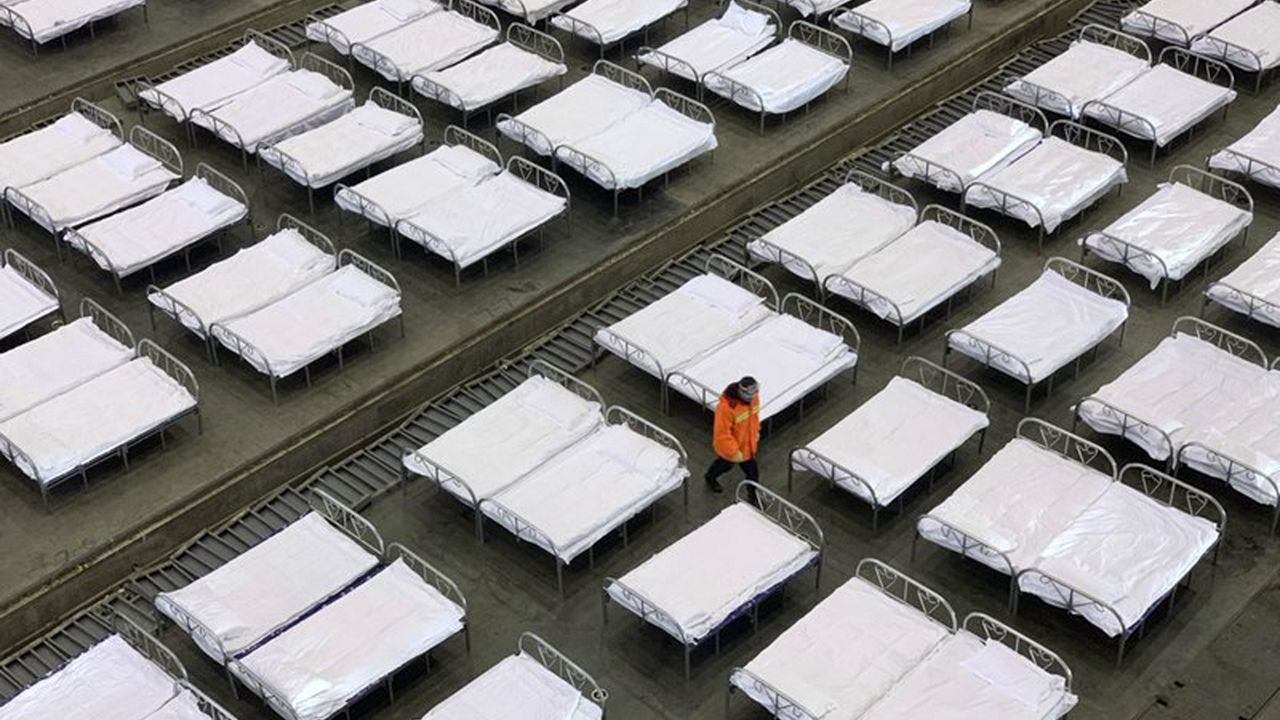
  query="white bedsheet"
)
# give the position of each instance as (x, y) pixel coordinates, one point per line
(533, 11)
(269, 586)
(1087, 71)
(844, 654)
(54, 363)
(510, 437)
(1259, 276)
(94, 418)
(970, 147)
(213, 85)
(1016, 503)
(1193, 16)
(581, 110)
(409, 187)
(649, 142)
(367, 21)
(1171, 100)
(317, 666)
(614, 20)
(21, 303)
(1179, 225)
(716, 43)
(488, 77)
(1046, 325)
(315, 320)
(809, 8)
(517, 687)
(906, 20)
(109, 681)
(1261, 144)
(284, 105)
(429, 43)
(344, 145)
(892, 440)
(702, 578)
(1255, 34)
(835, 232)
(41, 154)
(97, 188)
(1059, 179)
(252, 278)
(51, 19)
(785, 77)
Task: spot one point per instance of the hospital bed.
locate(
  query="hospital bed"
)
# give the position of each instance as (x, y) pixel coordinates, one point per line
(1179, 21)
(367, 21)
(899, 24)
(742, 30)
(43, 21)
(27, 294)
(530, 11)
(1253, 288)
(609, 22)
(1098, 63)
(431, 42)
(1256, 155)
(1250, 41)
(84, 133)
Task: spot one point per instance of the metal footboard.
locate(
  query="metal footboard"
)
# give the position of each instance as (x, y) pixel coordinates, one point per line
(561, 666)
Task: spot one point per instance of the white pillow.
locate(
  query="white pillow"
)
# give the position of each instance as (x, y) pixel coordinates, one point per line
(465, 162)
(1018, 677)
(313, 85)
(130, 163)
(745, 21)
(804, 339)
(292, 249)
(77, 127)
(253, 58)
(382, 120)
(405, 10)
(720, 293)
(197, 193)
(362, 289)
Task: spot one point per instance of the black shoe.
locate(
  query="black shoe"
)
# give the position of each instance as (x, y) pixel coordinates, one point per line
(714, 485)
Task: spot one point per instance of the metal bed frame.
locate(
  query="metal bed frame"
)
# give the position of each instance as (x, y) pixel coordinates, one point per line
(1091, 280)
(523, 170)
(387, 68)
(218, 182)
(865, 24)
(1201, 181)
(38, 279)
(162, 657)
(1160, 25)
(1254, 306)
(683, 69)
(772, 507)
(519, 35)
(592, 34)
(1224, 51)
(520, 10)
(559, 664)
(820, 39)
(864, 297)
(258, 360)
(809, 8)
(1165, 490)
(988, 628)
(928, 375)
(1054, 101)
(181, 313)
(1051, 438)
(22, 26)
(331, 33)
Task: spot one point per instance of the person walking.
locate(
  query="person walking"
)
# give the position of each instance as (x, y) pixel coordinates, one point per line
(736, 434)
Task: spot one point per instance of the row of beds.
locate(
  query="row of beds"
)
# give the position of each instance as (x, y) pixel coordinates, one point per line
(39, 22)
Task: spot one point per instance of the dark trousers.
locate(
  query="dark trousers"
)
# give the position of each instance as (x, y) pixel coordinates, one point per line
(722, 466)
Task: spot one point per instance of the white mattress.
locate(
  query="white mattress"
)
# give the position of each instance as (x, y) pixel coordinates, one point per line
(109, 681)
(213, 85)
(786, 77)
(43, 153)
(166, 224)
(590, 488)
(268, 587)
(252, 278)
(1046, 325)
(844, 654)
(531, 424)
(581, 110)
(409, 187)
(95, 418)
(51, 19)
(315, 320)
(705, 576)
(699, 316)
(1087, 71)
(97, 188)
(471, 222)
(906, 20)
(368, 20)
(835, 232)
(1262, 144)
(970, 147)
(518, 686)
(317, 666)
(1171, 100)
(1060, 179)
(808, 8)
(1246, 431)
(429, 43)
(645, 144)
(1193, 16)
(488, 77)
(1256, 30)
(21, 303)
(1179, 225)
(892, 440)
(716, 43)
(533, 11)
(789, 357)
(1126, 550)
(284, 105)
(54, 363)
(919, 271)
(614, 20)
(1259, 276)
(344, 145)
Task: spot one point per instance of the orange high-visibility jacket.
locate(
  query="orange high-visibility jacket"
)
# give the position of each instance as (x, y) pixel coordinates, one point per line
(737, 429)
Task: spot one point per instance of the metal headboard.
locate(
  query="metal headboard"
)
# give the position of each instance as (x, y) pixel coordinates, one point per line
(1214, 186)
(622, 76)
(149, 646)
(535, 41)
(942, 381)
(552, 659)
(1091, 280)
(454, 135)
(784, 514)
(98, 116)
(308, 233)
(1196, 65)
(822, 40)
(427, 572)
(1016, 109)
(539, 177)
(335, 73)
(348, 256)
(568, 380)
(988, 628)
(109, 324)
(1068, 445)
(347, 520)
(476, 13)
(271, 45)
(882, 188)
(823, 318)
(169, 365)
(388, 100)
(1090, 139)
(222, 184)
(157, 147)
(1220, 338)
(1113, 38)
(618, 415)
(685, 105)
(981, 233)
(1170, 491)
(722, 266)
(32, 273)
(908, 591)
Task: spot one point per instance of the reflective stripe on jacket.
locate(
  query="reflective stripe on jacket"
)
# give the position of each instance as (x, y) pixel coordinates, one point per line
(737, 428)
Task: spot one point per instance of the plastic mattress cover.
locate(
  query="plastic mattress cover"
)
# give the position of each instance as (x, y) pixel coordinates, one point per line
(268, 587)
(1258, 277)
(284, 105)
(1179, 225)
(1041, 328)
(97, 188)
(367, 21)
(905, 20)
(1253, 39)
(783, 78)
(109, 681)
(95, 418)
(51, 19)
(699, 316)
(918, 271)
(319, 665)
(716, 43)
(1261, 145)
(644, 145)
(845, 654)
(517, 687)
(1058, 179)
(409, 187)
(704, 577)
(43, 153)
(891, 440)
(511, 436)
(533, 11)
(1191, 16)
(1015, 504)
(54, 363)
(490, 76)
(968, 678)
(614, 20)
(315, 320)
(587, 490)
(21, 303)
(1171, 100)
(1254, 439)
(211, 86)
(835, 232)
(344, 145)
(581, 110)
(970, 147)
(431, 42)
(1126, 550)
(1087, 71)
(144, 234)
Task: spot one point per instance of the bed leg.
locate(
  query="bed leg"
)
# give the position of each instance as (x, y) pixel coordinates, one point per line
(275, 396)
(1026, 403)
(604, 609)
(1124, 639)
(391, 693)
(687, 652)
(560, 576)
(875, 519)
